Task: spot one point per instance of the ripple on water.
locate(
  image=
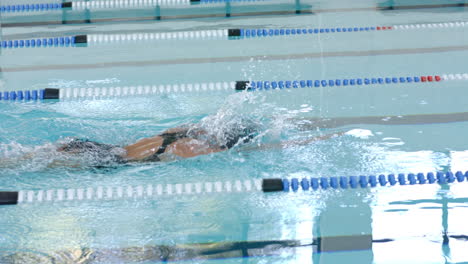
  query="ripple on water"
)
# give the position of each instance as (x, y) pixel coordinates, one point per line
(13, 233)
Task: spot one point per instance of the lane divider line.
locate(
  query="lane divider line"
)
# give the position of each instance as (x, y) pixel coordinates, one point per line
(180, 35)
(41, 42)
(128, 192)
(31, 7)
(29, 95)
(353, 182)
(455, 24)
(265, 185)
(108, 4)
(268, 85)
(233, 33)
(233, 86)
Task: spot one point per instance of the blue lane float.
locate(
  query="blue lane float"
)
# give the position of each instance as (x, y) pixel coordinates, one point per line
(33, 7)
(271, 32)
(44, 42)
(38, 7)
(354, 182)
(30, 95)
(270, 85)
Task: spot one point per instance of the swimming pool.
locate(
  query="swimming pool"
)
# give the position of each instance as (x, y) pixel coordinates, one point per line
(181, 63)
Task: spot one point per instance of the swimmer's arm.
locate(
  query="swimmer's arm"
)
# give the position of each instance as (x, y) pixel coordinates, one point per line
(14, 162)
(287, 144)
(64, 163)
(7, 163)
(188, 148)
(10, 163)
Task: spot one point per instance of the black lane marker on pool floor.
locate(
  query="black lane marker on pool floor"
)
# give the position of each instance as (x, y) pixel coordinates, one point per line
(233, 15)
(344, 243)
(8, 198)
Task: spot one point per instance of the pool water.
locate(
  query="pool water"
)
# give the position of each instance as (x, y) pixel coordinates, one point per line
(399, 224)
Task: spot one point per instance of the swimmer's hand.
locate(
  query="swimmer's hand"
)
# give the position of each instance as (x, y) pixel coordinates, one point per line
(64, 163)
(10, 163)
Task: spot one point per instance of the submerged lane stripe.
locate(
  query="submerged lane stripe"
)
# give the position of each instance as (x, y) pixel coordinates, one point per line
(234, 15)
(132, 91)
(299, 56)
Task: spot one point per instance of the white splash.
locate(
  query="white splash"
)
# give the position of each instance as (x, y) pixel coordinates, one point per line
(360, 133)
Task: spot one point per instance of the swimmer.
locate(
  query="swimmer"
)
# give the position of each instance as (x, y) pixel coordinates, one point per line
(179, 142)
(175, 143)
(191, 141)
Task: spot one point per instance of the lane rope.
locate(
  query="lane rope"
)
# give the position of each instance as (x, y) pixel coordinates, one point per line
(234, 33)
(41, 42)
(265, 185)
(128, 192)
(108, 4)
(18, 8)
(233, 86)
(353, 182)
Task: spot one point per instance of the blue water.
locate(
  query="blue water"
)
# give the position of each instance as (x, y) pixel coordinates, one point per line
(409, 224)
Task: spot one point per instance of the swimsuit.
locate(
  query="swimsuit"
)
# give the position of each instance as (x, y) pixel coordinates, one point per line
(168, 138)
(103, 154)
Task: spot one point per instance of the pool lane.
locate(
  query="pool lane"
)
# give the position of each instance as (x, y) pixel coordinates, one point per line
(215, 9)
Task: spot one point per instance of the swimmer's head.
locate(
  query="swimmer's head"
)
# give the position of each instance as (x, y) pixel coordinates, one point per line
(240, 136)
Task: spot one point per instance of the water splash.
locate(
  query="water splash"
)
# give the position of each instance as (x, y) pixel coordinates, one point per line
(248, 116)
(360, 133)
(18, 157)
